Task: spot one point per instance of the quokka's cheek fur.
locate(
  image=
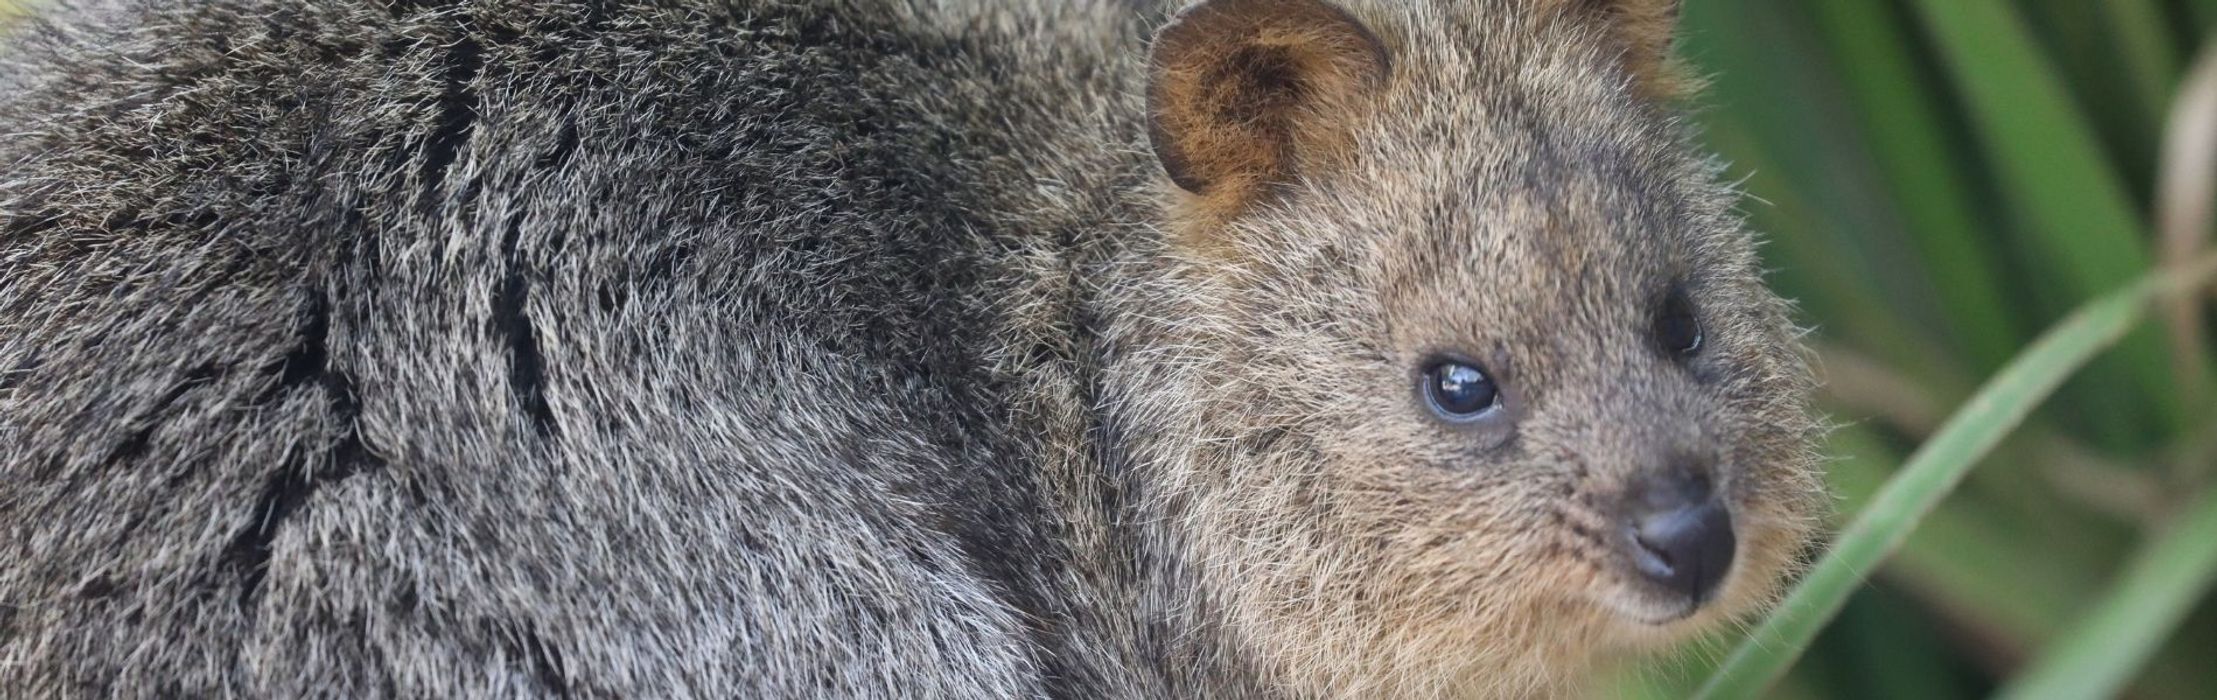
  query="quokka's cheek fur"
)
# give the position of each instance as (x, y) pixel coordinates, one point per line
(853, 348)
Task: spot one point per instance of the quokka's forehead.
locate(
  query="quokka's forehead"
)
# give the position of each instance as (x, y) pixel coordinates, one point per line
(1507, 135)
(1564, 247)
(1585, 217)
(1519, 184)
(1453, 41)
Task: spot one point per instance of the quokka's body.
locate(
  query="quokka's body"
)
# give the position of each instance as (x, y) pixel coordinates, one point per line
(870, 348)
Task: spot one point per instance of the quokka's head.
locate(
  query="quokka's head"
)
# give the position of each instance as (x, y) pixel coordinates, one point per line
(1493, 384)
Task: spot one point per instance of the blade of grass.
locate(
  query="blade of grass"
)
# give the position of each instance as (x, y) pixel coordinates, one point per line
(2084, 43)
(2100, 653)
(1857, 386)
(1965, 560)
(1908, 138)
(2183, 203)
(2086, 235)
(2045, 150)
(2151, 62)
(1780, 114)
(2000, 590)
(1932, 472)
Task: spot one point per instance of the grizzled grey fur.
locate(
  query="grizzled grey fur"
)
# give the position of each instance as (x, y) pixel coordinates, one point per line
(769, 348)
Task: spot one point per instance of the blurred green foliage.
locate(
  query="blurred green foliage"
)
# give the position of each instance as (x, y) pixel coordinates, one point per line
(1940, 180)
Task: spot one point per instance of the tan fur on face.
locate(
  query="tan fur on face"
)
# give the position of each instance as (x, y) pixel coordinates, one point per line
(1514, 194)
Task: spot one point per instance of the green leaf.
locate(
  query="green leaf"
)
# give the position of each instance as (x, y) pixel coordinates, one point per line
(2100, 653)
(1925, 177)
(2085, 234)
(1844, 253)
(1963, 557)
(1932, 472)
(2145, 48)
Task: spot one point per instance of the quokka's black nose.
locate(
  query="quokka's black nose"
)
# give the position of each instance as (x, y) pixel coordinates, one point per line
(1681, 535)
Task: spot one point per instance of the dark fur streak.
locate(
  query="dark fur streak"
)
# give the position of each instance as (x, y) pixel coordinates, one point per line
(15, 376)
(308, 364)
(457, 114)
(526, 366)
(403, 8)
(248, 553)
(33, 224)
(131, 219)
(663, 262)
(97, 588)
(1265, 442)
(135, 443)
(546, 661)
(511, 322)
(407, 602)
(565, 145)
(308, 360)
(587, 29)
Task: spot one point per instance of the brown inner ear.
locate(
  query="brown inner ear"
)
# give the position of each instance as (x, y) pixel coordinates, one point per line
(1229, 121)
(1240, 87)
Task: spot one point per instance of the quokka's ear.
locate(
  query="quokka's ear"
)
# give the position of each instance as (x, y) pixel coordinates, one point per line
(1243, 91)
(1645, 28)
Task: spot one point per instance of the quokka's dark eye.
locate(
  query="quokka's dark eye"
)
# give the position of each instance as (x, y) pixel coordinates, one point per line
(1459, 390)
(1676, 328)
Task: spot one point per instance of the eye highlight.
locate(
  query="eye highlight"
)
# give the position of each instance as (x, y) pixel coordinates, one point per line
(1677, 330)
(1458, 390)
